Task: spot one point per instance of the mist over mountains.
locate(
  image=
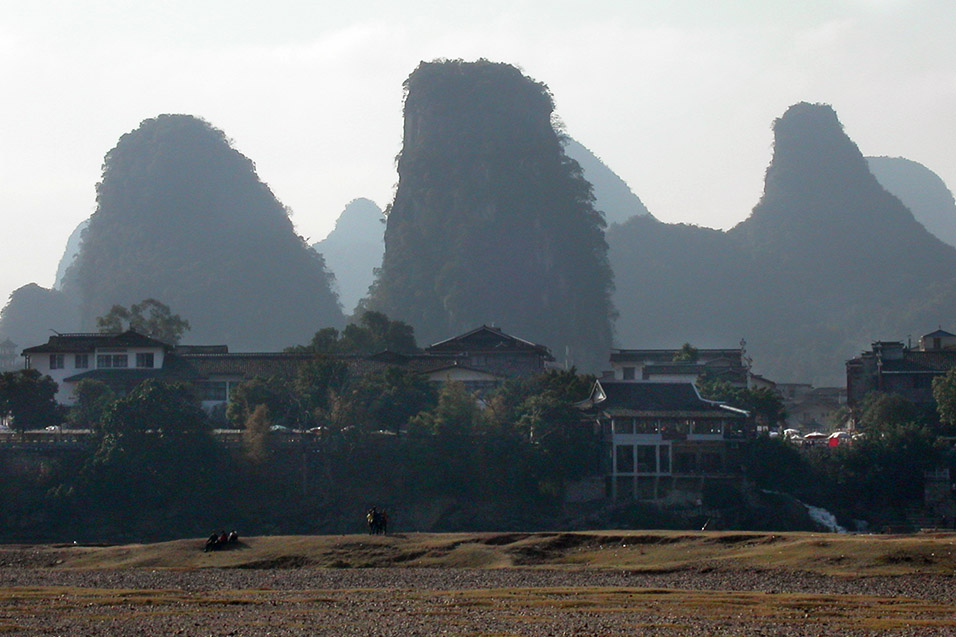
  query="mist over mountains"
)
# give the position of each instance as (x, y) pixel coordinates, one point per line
(612, 195)
(354, 249)
(497, 219)
(827, 261)
(182, 217)
(921, 190)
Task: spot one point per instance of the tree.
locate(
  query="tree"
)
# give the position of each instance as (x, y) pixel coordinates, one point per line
(686, 354)
(155, 453)
(149, 317)
(457, 414)
(944, 392)
(315, 386)
(93, 399)
(255, 436)
(765, 405)
(390, 398)
(373, 332)
(879, 412)
(28, 400)
(275, 392)
(161, 409)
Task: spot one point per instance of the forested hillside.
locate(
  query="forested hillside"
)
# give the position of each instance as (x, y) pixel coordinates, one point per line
(827, 262)
(182, 217)
(492, 223)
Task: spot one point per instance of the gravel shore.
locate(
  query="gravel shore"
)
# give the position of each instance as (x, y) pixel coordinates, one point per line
(449, 601)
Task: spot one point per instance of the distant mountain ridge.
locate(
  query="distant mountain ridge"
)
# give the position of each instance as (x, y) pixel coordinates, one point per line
(182, 217)
(354, 249)
(921, 190)
(612, 195)
(827, 261)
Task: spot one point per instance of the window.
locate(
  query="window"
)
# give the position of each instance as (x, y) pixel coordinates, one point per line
(647, 458)
(56, 361)
(628, 373)
(711, 462)
(625, 488)
(106, 361)
(685, 463)
(708, 427)
(624, 462)
(665, 459)
(623, 425)
(212, 390)
(82, 361)
(144, 359)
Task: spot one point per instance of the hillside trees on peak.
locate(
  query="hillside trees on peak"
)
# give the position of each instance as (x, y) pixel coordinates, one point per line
(182, 216)
(492, 223)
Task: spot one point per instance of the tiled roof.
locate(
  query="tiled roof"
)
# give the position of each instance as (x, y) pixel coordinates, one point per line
(201, 349)
(488, 339)
(120, 375)
(913, 361)
(86, 343)
(244, 364)
(939, 334)
(654, 397)
(667, 355)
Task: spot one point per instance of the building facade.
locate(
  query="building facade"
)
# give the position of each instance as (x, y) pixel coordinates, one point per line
(662, 440)
(731, 365)
(896, 368)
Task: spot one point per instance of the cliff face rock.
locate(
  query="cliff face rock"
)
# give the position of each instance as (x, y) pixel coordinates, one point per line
(353, 250)
(492, 223)
(612, 195)
(182, 217)
(69, 253)
(921, 190)
(827, 262)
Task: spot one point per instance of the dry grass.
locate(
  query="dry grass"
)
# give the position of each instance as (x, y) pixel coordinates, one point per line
(663, 551)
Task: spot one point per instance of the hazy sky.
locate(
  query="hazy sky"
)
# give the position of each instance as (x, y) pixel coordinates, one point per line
(676, 96)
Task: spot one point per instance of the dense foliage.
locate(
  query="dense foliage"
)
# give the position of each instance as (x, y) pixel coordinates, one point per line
(492, 223)
(372, 333)
(150, 317)
(808, 279)
(182, 216)
(153, 470)
(28, 400)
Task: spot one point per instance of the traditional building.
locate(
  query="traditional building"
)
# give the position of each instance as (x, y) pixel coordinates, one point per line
(662, 440)
(122, 361)
(730, 365)
(491, 350)
(810, 408)
(895, 367)
(481, 359)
